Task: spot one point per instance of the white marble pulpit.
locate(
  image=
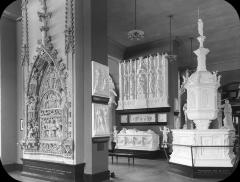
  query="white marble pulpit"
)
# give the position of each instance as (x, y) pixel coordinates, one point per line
(189, 146)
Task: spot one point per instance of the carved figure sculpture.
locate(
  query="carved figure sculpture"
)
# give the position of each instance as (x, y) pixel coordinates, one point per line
(177, 122)
(165, 132)
(227, 121)
(200, 27)
(112, 93)
(185, 115)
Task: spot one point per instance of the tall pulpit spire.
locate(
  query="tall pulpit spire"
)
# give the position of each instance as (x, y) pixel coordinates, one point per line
(44, 17)
(201, 52)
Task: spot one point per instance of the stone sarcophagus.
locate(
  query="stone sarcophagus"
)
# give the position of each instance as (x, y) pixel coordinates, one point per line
(133, 139)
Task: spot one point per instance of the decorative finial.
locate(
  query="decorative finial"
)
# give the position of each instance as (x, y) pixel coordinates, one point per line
(201, 52)
(44, 17)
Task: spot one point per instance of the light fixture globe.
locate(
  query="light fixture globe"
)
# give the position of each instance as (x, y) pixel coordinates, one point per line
(135, 34)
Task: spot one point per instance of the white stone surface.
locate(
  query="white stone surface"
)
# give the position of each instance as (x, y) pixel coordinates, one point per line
(100, 80)
(100, 120)
(48, 113)
(202, 107)
(203, 156)
(134, 139)
(143, 83)
(202, 88)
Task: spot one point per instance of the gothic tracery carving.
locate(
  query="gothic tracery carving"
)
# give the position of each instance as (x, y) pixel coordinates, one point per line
(143, 83)
(48, 100)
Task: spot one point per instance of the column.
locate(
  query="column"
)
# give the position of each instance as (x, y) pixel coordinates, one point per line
(91, 45)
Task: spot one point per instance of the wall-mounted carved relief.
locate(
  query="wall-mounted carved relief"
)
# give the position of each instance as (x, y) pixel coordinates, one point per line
(48, 108)
(100, 120)
(100, 80)
(143, 83)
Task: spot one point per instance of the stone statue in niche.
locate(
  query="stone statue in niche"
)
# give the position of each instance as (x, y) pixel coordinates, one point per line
(165, 132)
(132, 80)
(151, 78)
(227, 121)
(141, 81)
(177, 122)
(159, 81)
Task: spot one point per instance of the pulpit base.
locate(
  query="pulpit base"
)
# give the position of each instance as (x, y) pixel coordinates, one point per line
(201, 172)
(202, 153)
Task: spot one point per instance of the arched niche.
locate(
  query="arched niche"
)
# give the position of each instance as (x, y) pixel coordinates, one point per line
(48, 128)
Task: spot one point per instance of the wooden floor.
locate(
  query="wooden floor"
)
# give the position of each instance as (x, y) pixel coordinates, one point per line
(144, 170)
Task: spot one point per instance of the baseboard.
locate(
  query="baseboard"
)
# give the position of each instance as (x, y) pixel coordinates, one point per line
(12, 167)
(97, 177)
(52, 171)
(200, 172)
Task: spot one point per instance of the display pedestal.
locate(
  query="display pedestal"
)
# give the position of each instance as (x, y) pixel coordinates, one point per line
(203, 149)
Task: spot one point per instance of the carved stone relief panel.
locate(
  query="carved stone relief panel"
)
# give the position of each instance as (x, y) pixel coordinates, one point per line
(48, 107)
(142, 118)
(162, 117)
(100, 76)
(47, 98)
(100, 120)
(143, 83)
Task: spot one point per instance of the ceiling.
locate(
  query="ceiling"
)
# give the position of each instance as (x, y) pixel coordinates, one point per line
(221, 24)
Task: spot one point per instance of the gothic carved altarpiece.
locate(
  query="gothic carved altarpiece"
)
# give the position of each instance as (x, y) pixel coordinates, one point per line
(143, 83)
(48, 100)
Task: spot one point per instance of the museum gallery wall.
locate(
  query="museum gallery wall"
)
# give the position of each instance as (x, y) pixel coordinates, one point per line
(47, 58)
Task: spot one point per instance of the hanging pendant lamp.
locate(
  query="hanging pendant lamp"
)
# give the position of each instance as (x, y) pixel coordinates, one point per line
(171, 57)
(135, 34)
